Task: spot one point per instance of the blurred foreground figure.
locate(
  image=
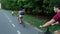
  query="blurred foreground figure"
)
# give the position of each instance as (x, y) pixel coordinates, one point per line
(55, 19)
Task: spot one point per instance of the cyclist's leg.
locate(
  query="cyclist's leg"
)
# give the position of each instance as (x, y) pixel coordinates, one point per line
(21, 19)
(57, 32)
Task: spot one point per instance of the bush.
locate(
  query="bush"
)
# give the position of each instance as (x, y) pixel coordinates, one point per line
(11, 4)
(31, 5)
(48, 5)
(36, 10)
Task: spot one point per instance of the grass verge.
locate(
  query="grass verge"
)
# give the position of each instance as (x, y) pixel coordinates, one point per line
(36, 22)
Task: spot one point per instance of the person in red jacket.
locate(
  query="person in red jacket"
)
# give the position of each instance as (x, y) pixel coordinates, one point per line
(55, 19)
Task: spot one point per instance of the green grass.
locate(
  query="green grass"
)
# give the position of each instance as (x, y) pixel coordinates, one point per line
(33, 20)
(36, 22)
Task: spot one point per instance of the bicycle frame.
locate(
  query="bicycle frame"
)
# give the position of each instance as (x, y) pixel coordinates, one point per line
(47, 31)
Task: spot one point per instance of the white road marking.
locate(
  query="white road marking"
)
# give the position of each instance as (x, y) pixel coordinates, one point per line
(6, 15)
(8, 18)
(13, 25)
(10, 26)
(10, 21)
(18, 32)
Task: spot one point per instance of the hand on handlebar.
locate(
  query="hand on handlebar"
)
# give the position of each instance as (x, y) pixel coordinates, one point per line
(41, 26)
(52, 24)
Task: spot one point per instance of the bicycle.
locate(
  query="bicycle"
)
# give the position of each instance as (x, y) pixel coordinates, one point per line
(23, 24)
(47, 31)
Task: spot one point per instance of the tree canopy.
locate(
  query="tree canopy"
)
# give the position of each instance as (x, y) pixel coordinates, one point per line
(34, 6)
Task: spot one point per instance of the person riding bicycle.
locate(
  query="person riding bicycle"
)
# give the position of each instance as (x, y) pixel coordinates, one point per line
(21, 14)
(55, 19)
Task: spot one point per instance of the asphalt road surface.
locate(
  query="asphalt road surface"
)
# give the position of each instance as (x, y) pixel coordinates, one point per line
(9, 25)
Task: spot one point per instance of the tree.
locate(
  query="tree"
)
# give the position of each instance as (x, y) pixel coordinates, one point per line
(31, 6)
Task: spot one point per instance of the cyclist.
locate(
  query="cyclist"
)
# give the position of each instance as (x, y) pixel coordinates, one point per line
(55, 19)
(21, 14)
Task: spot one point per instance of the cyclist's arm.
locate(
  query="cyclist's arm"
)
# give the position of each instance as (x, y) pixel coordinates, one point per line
(49, 23)
(54, 19)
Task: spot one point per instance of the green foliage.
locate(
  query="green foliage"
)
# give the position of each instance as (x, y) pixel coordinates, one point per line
(49, 4)
(36, 10)
(46, 5)
(10, 4)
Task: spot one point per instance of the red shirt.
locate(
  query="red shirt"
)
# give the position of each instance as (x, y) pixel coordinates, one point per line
(57, 18)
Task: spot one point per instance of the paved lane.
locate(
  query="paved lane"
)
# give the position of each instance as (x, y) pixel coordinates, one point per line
(10, 25)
